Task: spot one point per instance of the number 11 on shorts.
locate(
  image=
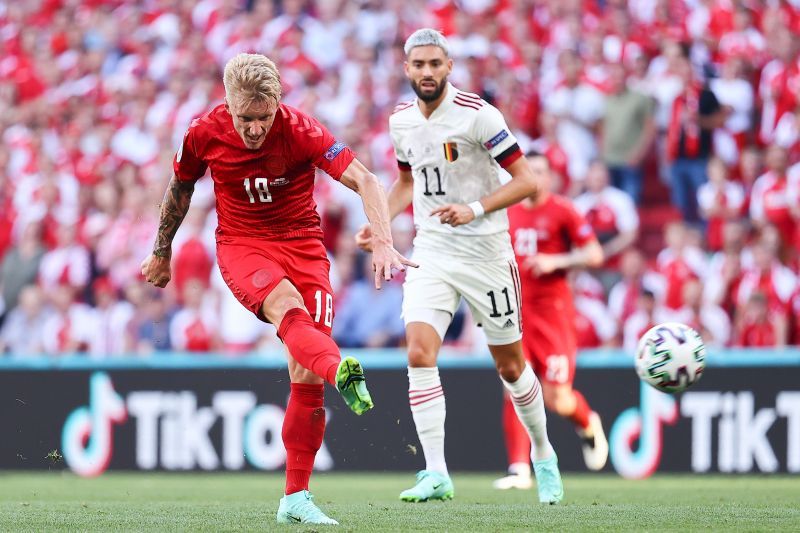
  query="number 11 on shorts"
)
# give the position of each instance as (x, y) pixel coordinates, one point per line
(328, 316)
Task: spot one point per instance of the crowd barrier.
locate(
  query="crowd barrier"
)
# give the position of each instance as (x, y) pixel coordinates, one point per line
(175, 412)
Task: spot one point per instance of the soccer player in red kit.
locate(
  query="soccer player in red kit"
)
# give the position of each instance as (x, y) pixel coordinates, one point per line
(262, 155)
(549, 237)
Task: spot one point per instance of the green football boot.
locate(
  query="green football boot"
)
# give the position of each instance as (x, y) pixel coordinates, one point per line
(352, 385)
(298, 508)
(430, 486)
(548, 480)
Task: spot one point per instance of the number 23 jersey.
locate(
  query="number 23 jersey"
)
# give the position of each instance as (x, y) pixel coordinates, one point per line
(455, 156)
(264, 193)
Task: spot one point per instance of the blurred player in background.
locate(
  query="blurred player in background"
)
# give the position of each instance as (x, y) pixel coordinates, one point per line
(550, 237)
(262, 155)
(450, 146)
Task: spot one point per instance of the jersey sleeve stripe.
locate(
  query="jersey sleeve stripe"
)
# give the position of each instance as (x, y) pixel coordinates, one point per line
(402, 165)
(472, 96)
(463, 104)
(509, 156)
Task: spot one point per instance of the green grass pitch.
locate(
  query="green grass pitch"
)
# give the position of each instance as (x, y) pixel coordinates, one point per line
(368, 502)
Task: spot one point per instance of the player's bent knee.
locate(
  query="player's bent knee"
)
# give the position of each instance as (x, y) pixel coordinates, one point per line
(510, 369)
(280, 301)
(421, 357)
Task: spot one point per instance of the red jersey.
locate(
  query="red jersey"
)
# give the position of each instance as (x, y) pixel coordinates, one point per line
(265, 193)
(555, 227)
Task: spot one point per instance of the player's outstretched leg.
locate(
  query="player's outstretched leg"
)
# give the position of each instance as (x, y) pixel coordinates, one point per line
(518, 449)
(303, 429)
(352, 385)
(319, 353)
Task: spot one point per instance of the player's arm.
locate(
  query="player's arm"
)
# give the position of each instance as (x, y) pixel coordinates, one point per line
(401, 194)
(400, 197)
(590, 255)
(384, 256)
(523, 184)
(174, 206)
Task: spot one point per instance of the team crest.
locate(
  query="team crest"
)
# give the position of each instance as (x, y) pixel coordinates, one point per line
(450, 151)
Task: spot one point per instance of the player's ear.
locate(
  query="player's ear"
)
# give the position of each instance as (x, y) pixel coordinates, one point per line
(405, 68)
(449, 65)
(227, 107)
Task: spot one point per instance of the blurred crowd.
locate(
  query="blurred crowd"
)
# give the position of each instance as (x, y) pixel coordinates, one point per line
(673, 118)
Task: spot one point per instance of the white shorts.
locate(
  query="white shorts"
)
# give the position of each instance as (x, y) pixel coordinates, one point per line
(491, 289)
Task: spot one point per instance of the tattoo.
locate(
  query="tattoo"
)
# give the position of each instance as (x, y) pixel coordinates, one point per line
(173, 208)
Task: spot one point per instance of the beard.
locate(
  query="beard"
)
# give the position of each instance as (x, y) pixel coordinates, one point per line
(429, 96)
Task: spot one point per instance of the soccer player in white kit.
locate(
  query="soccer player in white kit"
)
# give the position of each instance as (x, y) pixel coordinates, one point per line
(450, 146)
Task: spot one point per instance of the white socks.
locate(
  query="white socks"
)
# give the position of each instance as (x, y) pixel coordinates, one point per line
(426, 398)
(526, 395)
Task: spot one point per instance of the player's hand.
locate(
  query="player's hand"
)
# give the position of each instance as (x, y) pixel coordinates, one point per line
(542, 264)
(156, 270)
(364, 237)
(454, 214)
(384, 259)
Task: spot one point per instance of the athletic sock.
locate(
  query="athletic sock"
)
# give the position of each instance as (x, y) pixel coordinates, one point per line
(526, 395)
(580, 417)
(303, 429)
(426, 398)
(310, 347)
(518, 443)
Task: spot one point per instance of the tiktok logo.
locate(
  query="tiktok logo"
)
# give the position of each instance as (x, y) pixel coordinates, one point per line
(87, 438)
(644, 424)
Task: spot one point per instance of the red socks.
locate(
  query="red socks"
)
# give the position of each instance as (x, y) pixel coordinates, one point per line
(313, 349)
(580, 417)
(303, 429)
(518, 443)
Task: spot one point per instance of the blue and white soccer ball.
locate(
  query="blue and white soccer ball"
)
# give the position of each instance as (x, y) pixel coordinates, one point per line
(671, 357)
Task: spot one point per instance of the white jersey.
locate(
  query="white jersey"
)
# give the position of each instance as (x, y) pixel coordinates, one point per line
(455, 156)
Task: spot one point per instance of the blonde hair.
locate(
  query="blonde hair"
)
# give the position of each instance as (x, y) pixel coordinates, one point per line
(251, 77)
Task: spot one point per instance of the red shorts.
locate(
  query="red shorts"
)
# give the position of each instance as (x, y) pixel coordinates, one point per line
(252, 268)
(549, 340)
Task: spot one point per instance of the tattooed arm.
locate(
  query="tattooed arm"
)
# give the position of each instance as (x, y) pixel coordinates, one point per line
(156, 268)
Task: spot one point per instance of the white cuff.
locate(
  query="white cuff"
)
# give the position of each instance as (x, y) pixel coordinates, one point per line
(477, 208)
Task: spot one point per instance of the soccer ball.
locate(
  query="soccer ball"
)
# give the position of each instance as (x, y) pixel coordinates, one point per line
(671, 357)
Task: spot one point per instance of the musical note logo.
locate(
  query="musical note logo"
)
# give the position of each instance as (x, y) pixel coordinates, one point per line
(645, 425)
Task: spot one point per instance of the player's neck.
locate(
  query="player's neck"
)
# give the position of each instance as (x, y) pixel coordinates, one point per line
(427, 108)
(540, 199)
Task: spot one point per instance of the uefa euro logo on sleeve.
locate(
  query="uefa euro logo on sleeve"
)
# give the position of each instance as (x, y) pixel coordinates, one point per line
(334, 150)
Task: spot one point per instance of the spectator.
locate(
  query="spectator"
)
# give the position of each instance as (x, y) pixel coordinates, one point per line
(108, 327)
(679, 262)
(769, 277)
(21, 264)
(736, 93)
(610, 211)
(770, 202)
(720, 200)
(67, 263)
(647, 315)
(636, 280)
(725, 269)
(23, 329)
(696, 113)
(592, 326)
(367, 317)
(627, 134)
(195, 327)
(707, 319)
(68, 328)
(578, 107)
(757, 327)
(150, 328)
